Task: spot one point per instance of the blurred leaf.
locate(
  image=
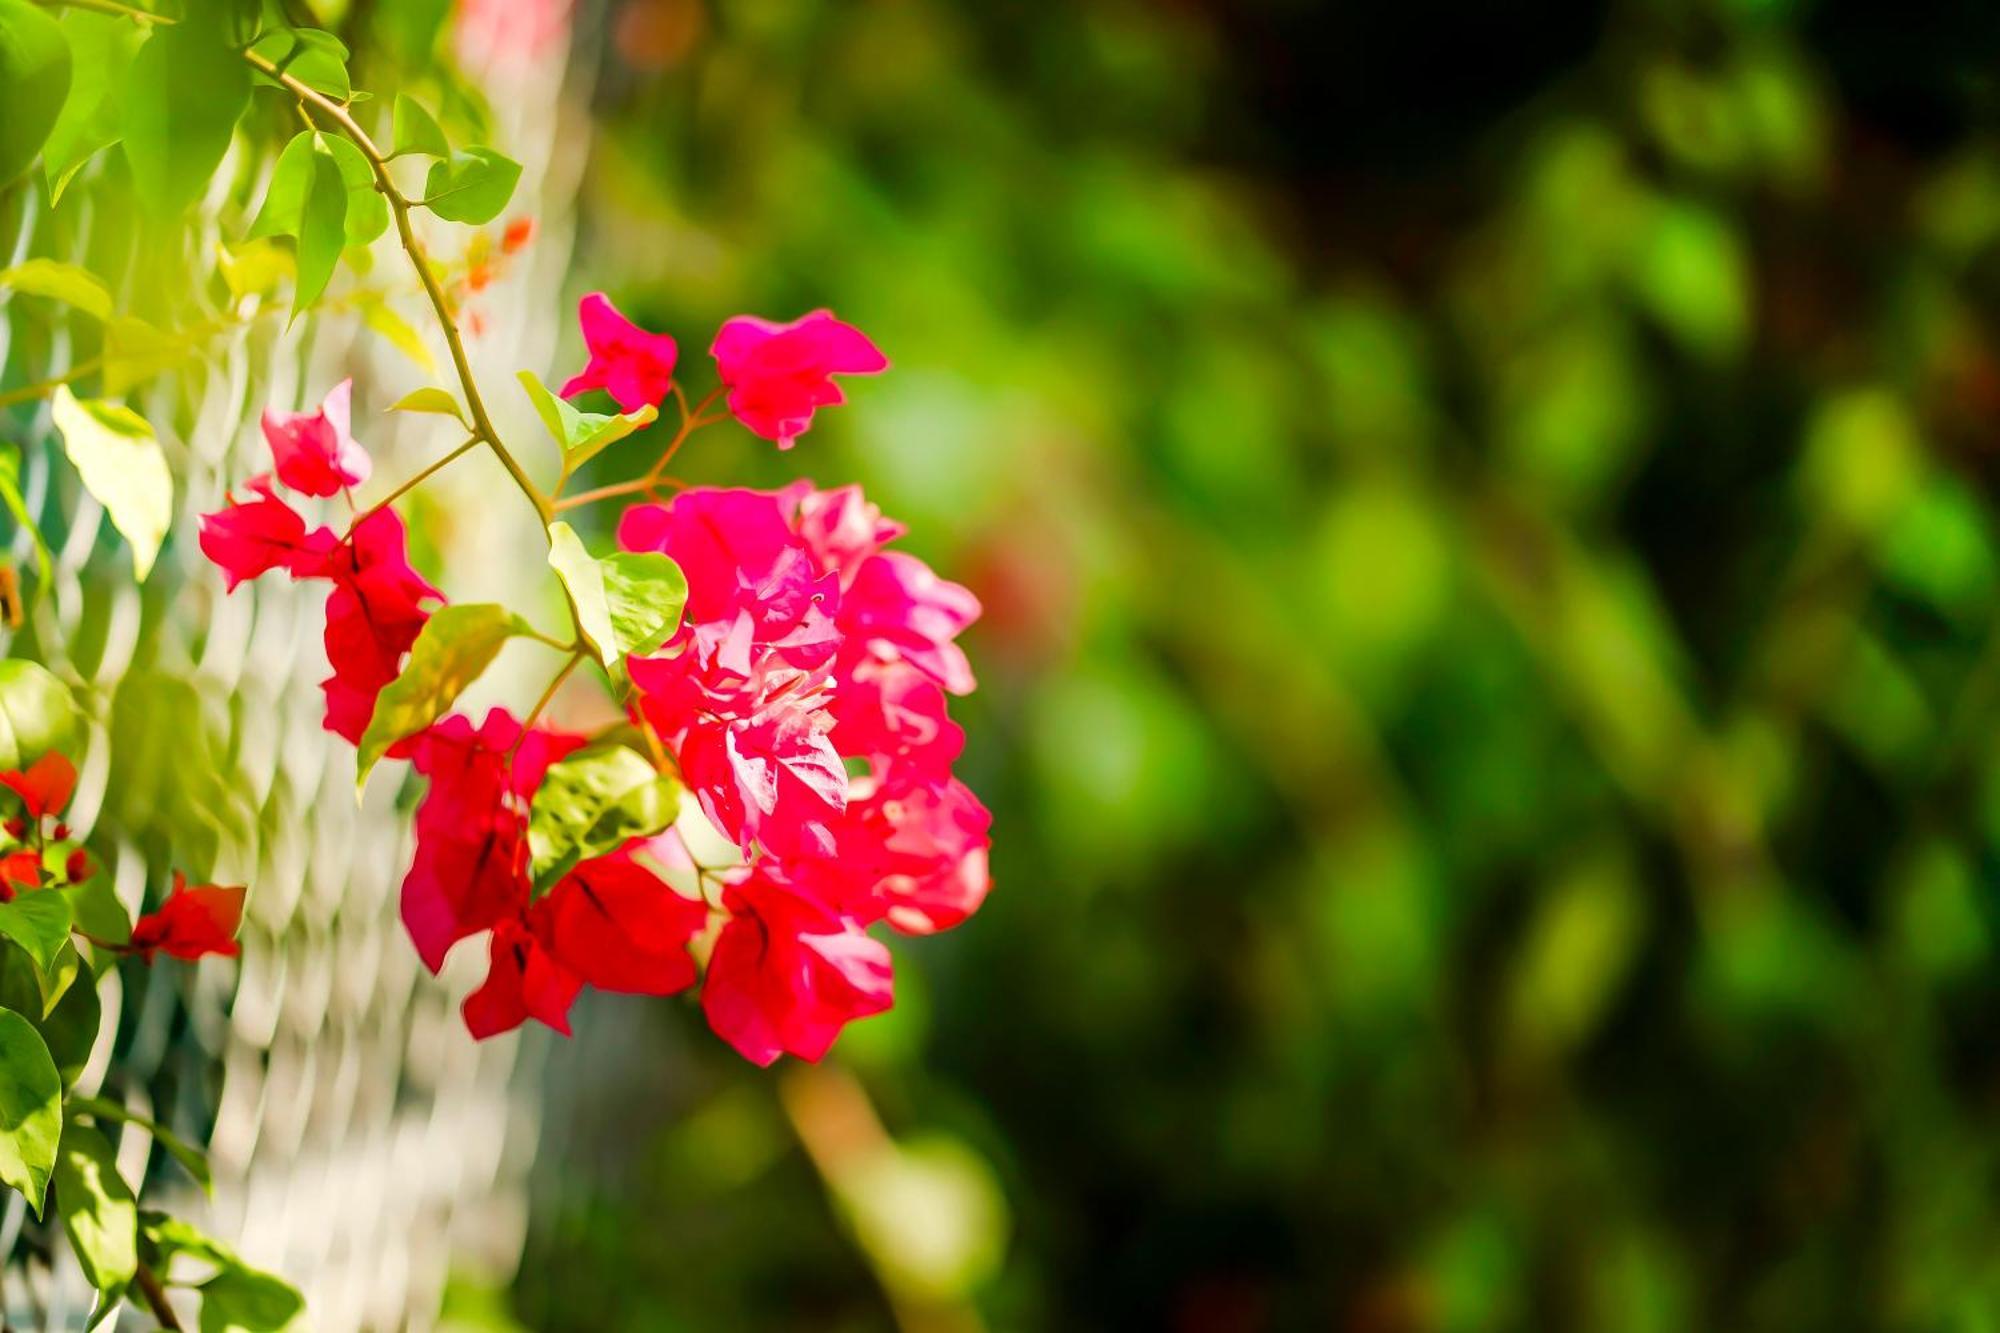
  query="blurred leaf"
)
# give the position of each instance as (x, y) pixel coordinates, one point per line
(190, 1157)
(40, 924)
(382, 317)
(103, 46)
(416, 131)
(182, 99)
(67, 283)
(116, 454)
(38, 715)
(430, 399)
(34, 82)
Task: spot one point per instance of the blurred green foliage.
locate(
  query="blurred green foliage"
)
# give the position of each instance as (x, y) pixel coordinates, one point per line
(1487, 529)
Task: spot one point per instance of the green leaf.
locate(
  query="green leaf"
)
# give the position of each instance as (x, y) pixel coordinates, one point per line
(415, 130)
(456, 645)
(92, 117)
(291, 181)
(382, 317)
(17, 505)
(135, 351)
(646, 592)
(37, 714)
(68, 1026)
(315, 58)
(471, 186)
(246, 1300)
(182, 99)
(322, 231)
(30, 1110)
(96, 1207)
(592, 802)
(121, 464)
(429, 399)
(95, 906)
(34, 83)
(189, 1156)
(624, 603)
(582, 435)
(39, 923)
(367, 210)
(60, 282)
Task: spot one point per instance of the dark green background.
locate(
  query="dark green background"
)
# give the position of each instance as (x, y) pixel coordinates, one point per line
(1489, 679)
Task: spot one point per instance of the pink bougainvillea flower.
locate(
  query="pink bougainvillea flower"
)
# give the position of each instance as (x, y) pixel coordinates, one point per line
(522, 981)
(191, 923)
(252, 536)
(314, 453)
(898, 608)
(779, 374)
(470, 870)
(893, 715)
(927, 846)
(46, 786)
(620, 927)
(633, 366)
(840, 527)
(786, 974)
(376, 610)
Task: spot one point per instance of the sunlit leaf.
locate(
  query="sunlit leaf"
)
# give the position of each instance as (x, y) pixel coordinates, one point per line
(625, 603)
(591, 803)
(471, 186)
(39, 923)
(322, 231)
(315, 58)
(38, 714)
(67, 283)
(189, 1156)
(17, 505)
(30, 1109)
(582, 435)
(96, 1206)
(415, 130)
(431, 399)
(120, 461)
(456, 645)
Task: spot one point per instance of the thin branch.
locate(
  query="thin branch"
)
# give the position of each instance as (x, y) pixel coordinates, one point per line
(534, 714)
(472, 442)
(399, 206)
(109, 7)
(155, 1293)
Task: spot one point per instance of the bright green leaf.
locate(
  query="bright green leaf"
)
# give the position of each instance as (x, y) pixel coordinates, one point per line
(189, 1156)
(60, 282)
(91, 119)
(367, 210)
(30, 1109)
(247, 1300)
(315, 58)
(471, 186)
(182, 99)
(592, 802)
(582, 435)
(37, 714)
(455, 646)
(415, 130)
(624, 603)
(96, 907)
(285, 197)
(96, 1207)
(429, 399)
(121, 464)
(322, 231)
(34, 83)
(39, 923)
(645, 591)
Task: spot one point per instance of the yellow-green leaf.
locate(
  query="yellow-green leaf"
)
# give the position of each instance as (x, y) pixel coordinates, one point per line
(456, 645)
(67, 283)
(382, 317)
(96, 1207)
(431, 399)
(115, 452)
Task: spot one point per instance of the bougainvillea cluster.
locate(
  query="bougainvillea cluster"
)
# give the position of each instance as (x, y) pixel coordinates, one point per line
(800, 702)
